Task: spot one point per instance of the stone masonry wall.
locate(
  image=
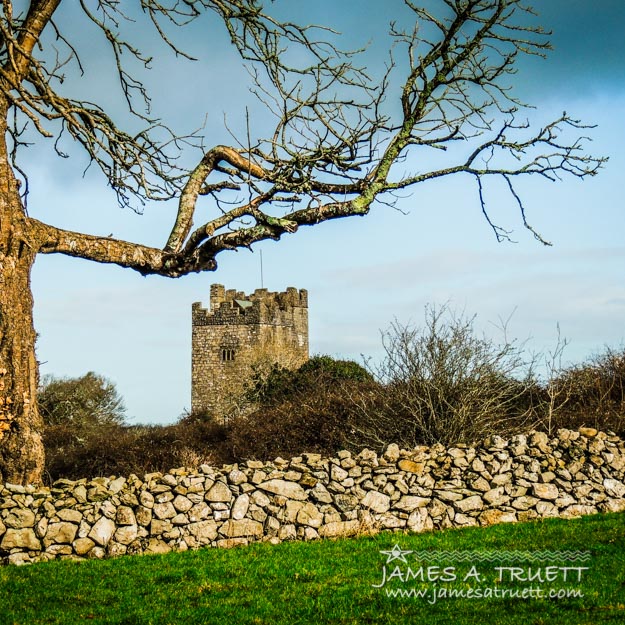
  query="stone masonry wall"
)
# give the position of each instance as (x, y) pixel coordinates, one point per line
(310, 497)
(239, 331)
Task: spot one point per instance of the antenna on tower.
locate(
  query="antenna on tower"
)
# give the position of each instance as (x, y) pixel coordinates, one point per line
(262, 285)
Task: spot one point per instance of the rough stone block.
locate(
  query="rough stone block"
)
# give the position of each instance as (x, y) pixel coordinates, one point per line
(219, 492)
(24, 538)
(126, 534)
(491, 517)
(339, 529)
(408, 503)
(82, 546)
(470, 503)
(61, 533)
(20, 518)
(545, 491)
(164, 510)
(376, 501)
(291, 490)
(102, 531)
(240, 507)
(71, 516)
(203, 531)
(125, 516)
(419, 521)
(244, 527)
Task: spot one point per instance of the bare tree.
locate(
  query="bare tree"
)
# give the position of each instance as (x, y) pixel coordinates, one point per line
(334, 150)
(557, 394)
(444, 383)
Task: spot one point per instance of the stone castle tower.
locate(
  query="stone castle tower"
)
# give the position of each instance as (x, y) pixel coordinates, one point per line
(238, 332)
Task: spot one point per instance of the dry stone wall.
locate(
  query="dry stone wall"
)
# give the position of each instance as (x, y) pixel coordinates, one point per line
(310, 497)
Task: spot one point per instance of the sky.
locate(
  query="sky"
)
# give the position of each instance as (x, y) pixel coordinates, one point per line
(361, 273)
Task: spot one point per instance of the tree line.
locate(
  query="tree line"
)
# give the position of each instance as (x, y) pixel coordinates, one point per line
(439, 383)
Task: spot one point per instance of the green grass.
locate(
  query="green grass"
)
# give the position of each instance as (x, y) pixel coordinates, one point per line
(328, 582)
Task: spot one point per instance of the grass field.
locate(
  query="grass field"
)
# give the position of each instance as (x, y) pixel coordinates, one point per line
(346, 581)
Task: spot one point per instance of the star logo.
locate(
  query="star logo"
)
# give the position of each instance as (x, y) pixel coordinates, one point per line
(396, 553)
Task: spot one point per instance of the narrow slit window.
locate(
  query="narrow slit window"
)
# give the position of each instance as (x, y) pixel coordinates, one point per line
(227, 355)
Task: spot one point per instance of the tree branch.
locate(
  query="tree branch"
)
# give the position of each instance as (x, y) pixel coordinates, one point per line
(334, 150)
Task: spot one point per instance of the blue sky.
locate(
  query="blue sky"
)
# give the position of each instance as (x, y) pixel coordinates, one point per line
(361, 273)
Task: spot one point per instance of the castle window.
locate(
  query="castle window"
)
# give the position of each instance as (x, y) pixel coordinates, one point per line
(227, 355)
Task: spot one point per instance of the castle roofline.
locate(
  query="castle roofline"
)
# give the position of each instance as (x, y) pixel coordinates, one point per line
(261, 306)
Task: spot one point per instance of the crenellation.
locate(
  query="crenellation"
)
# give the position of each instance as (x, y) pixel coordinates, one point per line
(238, 332)
(217, 295)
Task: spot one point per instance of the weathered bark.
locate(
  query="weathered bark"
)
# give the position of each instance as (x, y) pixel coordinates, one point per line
(21, 447)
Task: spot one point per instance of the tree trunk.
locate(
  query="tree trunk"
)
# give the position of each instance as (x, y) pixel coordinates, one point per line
(21, 446)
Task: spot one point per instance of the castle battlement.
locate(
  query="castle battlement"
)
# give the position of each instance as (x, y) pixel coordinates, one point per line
(232, 307)
(237, 333)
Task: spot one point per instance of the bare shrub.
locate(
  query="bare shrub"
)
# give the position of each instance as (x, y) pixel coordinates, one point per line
(139, 449)
(594, 391)
(555, 395)
(445, 384)
(442, 383)
(72, 454)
